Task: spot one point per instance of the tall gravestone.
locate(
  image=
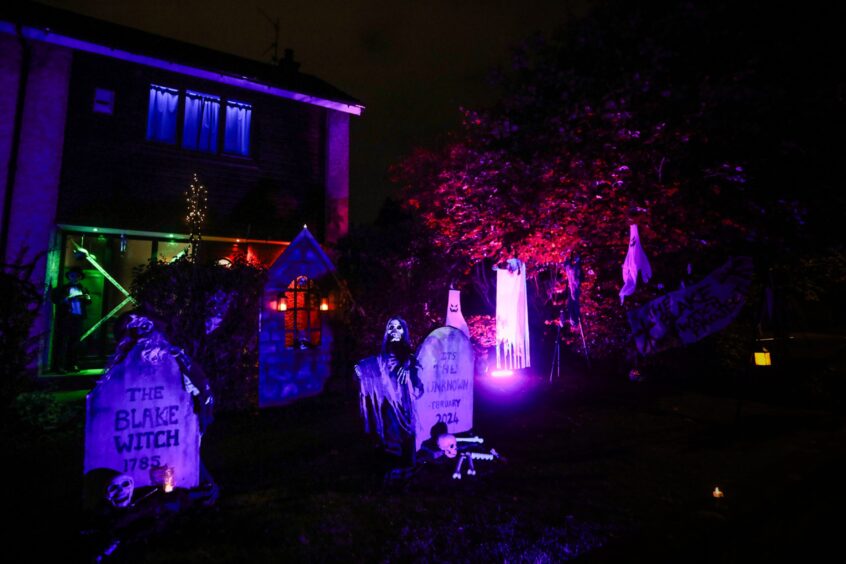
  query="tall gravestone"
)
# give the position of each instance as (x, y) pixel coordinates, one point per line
(446, 369)
(141, 417)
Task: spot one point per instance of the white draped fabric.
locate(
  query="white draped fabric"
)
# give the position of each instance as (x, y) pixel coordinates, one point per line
(454, 317)
(635, 262)
(512, 317)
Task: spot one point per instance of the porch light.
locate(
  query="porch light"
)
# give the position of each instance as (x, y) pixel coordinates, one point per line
(762, 358)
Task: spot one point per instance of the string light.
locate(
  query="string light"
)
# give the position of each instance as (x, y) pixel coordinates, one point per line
(197, 201)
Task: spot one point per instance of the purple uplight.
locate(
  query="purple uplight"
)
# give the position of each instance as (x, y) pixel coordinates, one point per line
(242, 82)
(502, 373)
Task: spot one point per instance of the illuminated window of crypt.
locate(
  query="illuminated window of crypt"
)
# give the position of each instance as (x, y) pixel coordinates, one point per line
(302, 317)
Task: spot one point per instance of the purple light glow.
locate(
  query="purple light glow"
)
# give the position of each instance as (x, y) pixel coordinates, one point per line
(505, 386)
(241, 82)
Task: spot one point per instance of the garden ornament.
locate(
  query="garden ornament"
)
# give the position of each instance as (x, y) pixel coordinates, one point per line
(119, 491)
(448, 444)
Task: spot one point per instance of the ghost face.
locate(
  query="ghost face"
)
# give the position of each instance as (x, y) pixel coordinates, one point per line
(394, 331)
(448, 444)
(119, 491)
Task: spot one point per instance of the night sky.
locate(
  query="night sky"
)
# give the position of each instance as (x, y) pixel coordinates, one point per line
(411, 63)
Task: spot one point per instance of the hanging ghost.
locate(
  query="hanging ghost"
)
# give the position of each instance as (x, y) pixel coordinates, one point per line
(512, 316)
(635, 262)
(573, 268)
(454, 317)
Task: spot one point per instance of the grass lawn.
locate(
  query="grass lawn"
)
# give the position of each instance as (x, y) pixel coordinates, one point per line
(598, 469)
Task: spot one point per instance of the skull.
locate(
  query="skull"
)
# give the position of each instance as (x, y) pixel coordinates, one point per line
(119, 491)
(394, 331)
(448, 444)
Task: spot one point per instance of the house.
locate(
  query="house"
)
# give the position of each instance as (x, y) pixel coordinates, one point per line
(102, 129)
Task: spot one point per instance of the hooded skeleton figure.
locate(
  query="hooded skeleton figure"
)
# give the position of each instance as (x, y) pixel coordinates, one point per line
(389, 384)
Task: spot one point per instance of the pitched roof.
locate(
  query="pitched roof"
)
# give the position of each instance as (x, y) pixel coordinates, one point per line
(53, 22)
(303, 256)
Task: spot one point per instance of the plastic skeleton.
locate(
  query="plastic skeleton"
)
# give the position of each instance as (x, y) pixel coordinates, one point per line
(448, 444)
(470, 457)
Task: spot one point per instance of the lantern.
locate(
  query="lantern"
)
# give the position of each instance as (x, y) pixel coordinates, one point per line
(324, 305)
(282, 303)
(762, 358)
(169, 480)
(717, 493)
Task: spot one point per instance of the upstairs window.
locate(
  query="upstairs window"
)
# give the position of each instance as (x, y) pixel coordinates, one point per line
(236, 139)
(201, 122)
(161, 114)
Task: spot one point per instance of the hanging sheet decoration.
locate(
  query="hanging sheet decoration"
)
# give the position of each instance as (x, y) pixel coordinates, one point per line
(635, 262)
(454, 317)
(573, 269)
(687, 315)
(512, 317)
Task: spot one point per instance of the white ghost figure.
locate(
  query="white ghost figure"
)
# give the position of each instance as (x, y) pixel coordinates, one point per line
(119, 491)
(635, 262)
(512, 317)
(454, 317)
(448, 444)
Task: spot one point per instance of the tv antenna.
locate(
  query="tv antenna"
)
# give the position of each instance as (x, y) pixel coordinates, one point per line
(275, 45)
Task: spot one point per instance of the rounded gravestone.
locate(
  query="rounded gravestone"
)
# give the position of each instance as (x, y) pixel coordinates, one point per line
(446, 370)
(141, 417)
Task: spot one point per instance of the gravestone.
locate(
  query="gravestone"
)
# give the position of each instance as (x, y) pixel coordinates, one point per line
(141, 417)
(446, 370)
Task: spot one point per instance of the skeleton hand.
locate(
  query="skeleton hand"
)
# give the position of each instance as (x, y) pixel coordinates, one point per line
(402, 375)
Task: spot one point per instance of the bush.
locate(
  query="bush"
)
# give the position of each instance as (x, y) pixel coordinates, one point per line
(211, 312)
(19, 303)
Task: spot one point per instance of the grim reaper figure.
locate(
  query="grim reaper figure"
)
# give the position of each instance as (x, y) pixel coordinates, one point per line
(389, 385)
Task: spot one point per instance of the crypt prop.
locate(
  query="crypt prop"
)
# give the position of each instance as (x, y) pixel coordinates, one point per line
(512, 316)
(687, 315)
(389, 383)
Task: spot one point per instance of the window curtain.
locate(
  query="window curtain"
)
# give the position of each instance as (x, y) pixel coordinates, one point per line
(161, 114)
(237, 139)
(201, 122)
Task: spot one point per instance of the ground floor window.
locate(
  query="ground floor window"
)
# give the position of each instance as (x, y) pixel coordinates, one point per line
(92, 283)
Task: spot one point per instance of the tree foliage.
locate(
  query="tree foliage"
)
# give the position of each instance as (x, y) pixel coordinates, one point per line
(389, 269)
(186, 297)
(19, 303)
(662, 117)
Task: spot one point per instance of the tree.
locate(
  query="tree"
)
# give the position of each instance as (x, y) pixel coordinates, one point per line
(660, 116)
